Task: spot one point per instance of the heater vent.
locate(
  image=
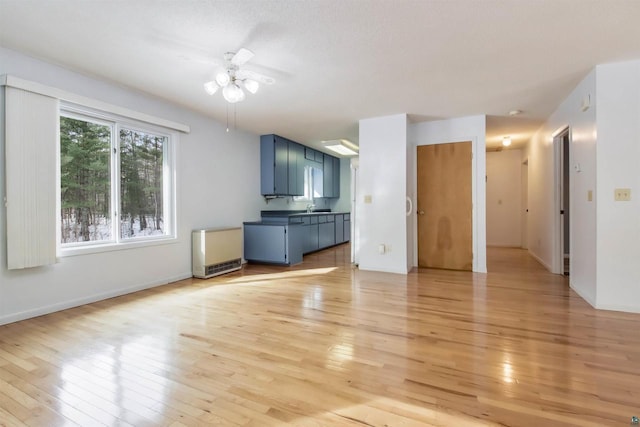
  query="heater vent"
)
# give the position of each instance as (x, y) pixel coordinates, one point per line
(216, 251)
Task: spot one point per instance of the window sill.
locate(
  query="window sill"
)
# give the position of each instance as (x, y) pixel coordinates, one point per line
(110, 247)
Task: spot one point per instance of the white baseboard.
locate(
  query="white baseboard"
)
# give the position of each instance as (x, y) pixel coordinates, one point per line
(381, 270)
(541, 261)
(588, 298)
(40, 311)
(616, 307)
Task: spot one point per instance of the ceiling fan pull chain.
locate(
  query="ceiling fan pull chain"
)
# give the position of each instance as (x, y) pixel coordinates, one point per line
(227, 117)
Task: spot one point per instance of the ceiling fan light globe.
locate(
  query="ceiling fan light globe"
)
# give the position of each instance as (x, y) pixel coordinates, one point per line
(251, 85)
(232, 93)
(222, 79)
(211, 87)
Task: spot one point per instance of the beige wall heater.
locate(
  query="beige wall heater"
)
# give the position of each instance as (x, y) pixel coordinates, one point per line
(216, 251)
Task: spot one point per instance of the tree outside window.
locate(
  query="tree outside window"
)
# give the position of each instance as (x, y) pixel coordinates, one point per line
(111, 189)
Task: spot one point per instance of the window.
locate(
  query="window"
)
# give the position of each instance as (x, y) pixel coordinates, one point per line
(307, 186)
(312, 184)
(116, 183)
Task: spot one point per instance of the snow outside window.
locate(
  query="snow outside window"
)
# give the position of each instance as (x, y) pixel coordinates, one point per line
(116, 183)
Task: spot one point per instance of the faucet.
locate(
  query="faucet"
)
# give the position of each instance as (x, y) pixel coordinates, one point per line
(310, 207)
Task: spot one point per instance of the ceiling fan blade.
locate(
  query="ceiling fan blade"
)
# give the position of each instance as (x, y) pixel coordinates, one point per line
(242, 56)
(261, 78)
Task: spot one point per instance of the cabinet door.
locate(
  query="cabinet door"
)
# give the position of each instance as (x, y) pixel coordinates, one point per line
(281, 166)
(310, 242)
(326, 234)
(265, 243)
(339, 228)
(296, 169)
(309, 153)
(336, 177)
(328, 176)
(347, 229)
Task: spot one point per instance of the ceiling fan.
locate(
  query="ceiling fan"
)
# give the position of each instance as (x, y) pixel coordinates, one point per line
(233, 78)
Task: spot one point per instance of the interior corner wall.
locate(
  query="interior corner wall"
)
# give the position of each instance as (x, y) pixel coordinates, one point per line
(208, 159)
(618, 166)
(504, 198)
(542, 189)
(471, 128)
(412, 232)
(381, 203)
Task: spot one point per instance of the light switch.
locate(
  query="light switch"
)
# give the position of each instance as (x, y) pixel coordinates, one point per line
(590, 196)
(622, 194)
(367, 198)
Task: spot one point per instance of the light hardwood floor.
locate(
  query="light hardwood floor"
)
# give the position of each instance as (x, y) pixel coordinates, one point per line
(324, 344)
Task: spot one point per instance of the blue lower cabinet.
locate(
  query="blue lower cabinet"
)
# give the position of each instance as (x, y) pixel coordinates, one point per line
(310, 233)
(339, 220)
(326, 234)
(273, 243)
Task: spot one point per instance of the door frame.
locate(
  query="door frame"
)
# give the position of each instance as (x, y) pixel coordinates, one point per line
(557, 265)
(478, 196)
(354, 166)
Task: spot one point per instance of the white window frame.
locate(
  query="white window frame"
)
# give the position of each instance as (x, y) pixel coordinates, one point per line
(169, 183)
(308, 186)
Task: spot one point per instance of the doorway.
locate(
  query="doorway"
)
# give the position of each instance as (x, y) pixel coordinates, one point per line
(355, 230)
(562, 150)
(444, 206)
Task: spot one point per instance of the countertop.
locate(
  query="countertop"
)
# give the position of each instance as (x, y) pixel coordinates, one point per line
(282, 217)
(284, 213)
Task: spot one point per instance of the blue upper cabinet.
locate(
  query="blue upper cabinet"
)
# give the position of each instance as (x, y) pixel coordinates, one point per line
(336, 177)
(296, 169)
(328, 176)
(331, 176)
(274, 165)
(282, 164)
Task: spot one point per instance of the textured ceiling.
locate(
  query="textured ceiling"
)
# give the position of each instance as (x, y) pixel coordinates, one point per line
(339, 61)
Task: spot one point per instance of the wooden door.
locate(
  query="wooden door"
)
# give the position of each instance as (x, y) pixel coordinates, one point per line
(445, 206)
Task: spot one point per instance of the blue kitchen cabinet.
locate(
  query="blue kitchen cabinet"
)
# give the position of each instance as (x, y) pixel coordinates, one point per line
(295, 169)
(336, 177)
(326, 231)
(273, 243)
(327, 176)
(281, 166)
(310, 233)
(274, 165)
(339, 221)
(331, 176)
(347, 227)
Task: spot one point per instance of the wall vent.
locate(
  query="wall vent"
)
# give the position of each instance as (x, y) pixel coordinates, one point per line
(223, 267)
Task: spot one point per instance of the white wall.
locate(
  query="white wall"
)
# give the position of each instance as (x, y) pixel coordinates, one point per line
(504, 198)
(383, 177)
(542, 190)
(618, 166)
(472, 128)
(218, 184)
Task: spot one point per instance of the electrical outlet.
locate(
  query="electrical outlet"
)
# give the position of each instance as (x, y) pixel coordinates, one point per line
(622, 194)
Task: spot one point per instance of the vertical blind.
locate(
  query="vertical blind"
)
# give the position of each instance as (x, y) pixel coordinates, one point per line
(31, 143)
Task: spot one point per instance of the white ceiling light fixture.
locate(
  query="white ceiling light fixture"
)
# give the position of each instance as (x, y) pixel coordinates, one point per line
(232, 78)
(506, 141)
(342, 146)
